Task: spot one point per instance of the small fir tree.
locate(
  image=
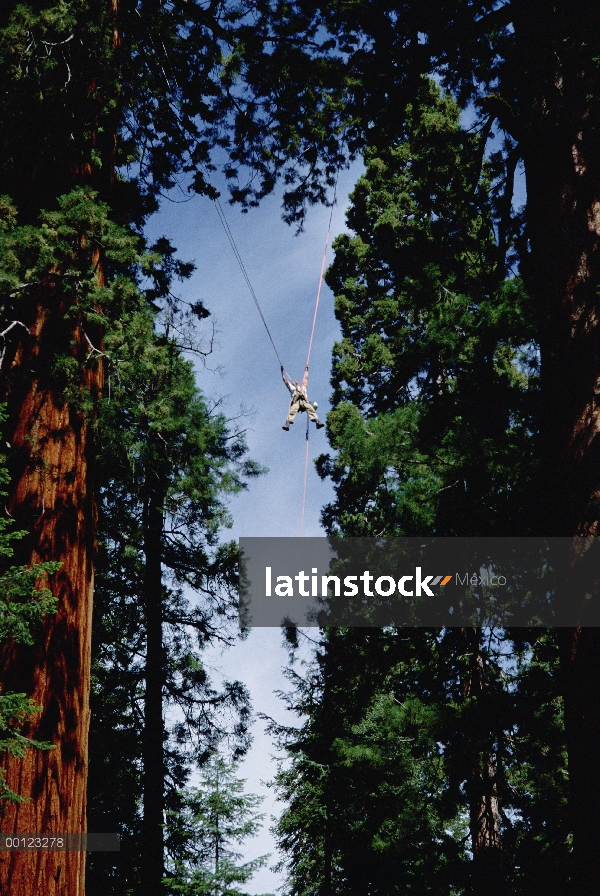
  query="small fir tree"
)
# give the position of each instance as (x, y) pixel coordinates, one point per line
(216, 819)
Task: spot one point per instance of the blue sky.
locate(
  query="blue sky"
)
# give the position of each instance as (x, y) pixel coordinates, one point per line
(243, 371)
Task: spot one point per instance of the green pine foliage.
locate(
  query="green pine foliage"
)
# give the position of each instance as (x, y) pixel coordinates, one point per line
(60, 253)
(156, 432)
(436, 391)
(538, 774)
(217, 817)
(161, 442)
(402, 735)
(435, 378)
(368, 806)
(98, 117)
(415, 769)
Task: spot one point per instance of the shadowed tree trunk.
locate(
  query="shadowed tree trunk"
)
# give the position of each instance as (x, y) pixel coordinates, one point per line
(486, 835)
(487, 872)
(563, 182)
(153, 757)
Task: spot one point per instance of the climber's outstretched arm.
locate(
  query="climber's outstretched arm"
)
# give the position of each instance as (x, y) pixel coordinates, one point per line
(305, 378)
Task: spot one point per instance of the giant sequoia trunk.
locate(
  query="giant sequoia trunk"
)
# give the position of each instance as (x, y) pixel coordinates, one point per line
(562, 163)
(53, 499)
(53, 492)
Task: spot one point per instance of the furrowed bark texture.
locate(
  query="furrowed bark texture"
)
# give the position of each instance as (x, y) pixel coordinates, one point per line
(488, 877)
(487, 870)
(153, 757)
(53, 489)
(53, 498)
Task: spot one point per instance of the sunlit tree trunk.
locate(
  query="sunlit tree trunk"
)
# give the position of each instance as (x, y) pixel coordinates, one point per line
(53, 498)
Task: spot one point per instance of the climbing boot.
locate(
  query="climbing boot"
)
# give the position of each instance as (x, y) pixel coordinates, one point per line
(286, 426)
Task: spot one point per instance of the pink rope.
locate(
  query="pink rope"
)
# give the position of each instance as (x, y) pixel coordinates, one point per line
(305, 478)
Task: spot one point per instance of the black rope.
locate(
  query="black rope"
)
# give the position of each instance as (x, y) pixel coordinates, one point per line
(218, 205)
(234, 247)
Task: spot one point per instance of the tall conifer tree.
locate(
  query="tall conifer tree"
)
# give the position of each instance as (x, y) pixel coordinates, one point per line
(217, 817)
(166, 468)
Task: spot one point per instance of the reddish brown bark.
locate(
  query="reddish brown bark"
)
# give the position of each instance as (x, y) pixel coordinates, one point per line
(488, 877)
(53, 498)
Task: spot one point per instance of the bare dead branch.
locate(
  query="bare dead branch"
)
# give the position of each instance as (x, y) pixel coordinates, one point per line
(6, 331)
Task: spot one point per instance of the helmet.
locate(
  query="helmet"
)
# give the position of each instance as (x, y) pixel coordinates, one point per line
(315, 405)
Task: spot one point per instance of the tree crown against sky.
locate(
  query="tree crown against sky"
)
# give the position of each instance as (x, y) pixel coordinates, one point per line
(163, 449)
(436, 385)
(101, 288)
(436, 377)
(279, 90)
(349, 71)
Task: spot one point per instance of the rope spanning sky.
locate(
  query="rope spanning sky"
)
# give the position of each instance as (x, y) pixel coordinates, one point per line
(285, 272)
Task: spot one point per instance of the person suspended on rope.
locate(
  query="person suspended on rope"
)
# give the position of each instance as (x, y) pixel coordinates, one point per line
(299, 400)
